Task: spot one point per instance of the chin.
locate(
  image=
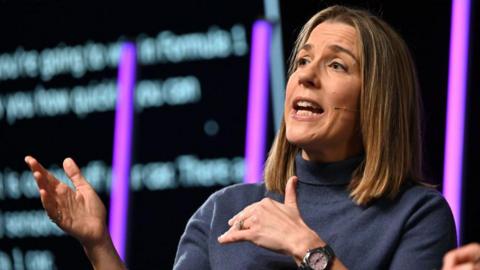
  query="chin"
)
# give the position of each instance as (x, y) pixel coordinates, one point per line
(298, 138)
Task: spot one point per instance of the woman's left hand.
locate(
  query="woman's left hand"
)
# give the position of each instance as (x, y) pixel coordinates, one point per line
(273, 225)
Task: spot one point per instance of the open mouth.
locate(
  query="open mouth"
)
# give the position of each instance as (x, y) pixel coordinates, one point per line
(305, 107)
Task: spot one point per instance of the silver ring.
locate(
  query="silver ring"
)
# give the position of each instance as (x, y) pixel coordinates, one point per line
(240, 225)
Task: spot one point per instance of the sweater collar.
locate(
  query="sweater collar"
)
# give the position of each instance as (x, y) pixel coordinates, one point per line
(326, 174)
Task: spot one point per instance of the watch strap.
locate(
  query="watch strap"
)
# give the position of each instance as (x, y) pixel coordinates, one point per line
(329, 251)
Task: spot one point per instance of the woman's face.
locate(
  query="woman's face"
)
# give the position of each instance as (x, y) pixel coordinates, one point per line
(322, 98)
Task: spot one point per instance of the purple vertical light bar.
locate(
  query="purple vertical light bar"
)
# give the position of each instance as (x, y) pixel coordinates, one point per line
(257, 102)
(457, 84)
(122, 147)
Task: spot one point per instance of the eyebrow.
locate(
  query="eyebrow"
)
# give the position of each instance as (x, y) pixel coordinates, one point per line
(334, 47)
(338, 48)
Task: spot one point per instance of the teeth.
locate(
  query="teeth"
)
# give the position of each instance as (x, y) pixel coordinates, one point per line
(305, 113)
(303, 103)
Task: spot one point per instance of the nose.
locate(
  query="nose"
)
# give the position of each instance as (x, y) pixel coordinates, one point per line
(309, 76)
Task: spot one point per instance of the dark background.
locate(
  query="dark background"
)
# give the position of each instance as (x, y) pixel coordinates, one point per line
(157, 219)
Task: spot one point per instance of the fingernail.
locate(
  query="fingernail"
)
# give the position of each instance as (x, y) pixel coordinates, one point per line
(27, 158)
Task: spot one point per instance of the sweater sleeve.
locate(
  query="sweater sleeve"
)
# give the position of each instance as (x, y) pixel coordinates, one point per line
(428, 234)
(192, 252)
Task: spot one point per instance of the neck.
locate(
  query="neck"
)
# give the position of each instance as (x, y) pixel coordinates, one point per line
(331, 155)
(326, 173)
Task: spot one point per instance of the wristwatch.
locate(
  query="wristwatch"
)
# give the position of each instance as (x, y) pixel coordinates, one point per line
(318, 258)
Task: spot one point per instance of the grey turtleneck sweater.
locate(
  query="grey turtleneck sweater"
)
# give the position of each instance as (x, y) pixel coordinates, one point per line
(413, 231)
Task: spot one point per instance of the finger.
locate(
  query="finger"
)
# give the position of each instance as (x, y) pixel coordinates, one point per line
(43, 178)
(234, 236)
(468, 253)
(449, 260)
(48, 203)
(465, 266)
(238, 216)
(249, 222)
(73, 172)
(291, 192)
(241, 215)
(243, 224)
(46, 182)
(35, 165)
(234, 218)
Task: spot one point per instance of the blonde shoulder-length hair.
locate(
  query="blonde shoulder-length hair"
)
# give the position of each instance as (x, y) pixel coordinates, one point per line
(389, 112)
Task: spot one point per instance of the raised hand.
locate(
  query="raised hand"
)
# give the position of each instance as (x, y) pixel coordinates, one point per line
(273, 225)
(78, 212)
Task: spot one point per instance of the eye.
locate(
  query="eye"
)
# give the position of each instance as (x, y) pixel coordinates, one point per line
(337, 66)
(302, 61)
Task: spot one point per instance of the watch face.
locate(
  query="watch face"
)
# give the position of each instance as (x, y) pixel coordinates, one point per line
(318, 261)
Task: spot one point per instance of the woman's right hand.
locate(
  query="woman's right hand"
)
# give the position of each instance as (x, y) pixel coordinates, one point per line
(79, 212)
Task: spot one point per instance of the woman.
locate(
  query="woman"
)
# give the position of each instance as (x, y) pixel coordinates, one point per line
(350, 148)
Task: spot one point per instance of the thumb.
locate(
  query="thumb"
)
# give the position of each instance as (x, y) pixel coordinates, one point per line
(73, 172)
(291, 191)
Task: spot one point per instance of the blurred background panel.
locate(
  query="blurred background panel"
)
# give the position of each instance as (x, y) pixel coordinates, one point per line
(58, 81)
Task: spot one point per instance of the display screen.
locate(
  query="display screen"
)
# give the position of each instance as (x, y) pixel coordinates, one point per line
(58, 87)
